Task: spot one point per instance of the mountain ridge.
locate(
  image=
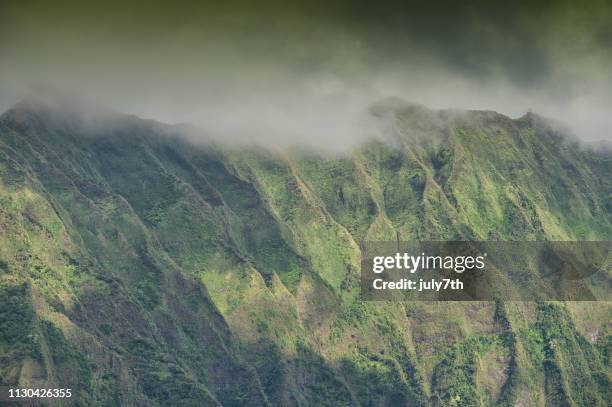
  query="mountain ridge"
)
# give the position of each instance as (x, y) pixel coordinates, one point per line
(167, 271)
(72, 110)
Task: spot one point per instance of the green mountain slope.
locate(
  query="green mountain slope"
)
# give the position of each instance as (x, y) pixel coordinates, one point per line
(140, 268)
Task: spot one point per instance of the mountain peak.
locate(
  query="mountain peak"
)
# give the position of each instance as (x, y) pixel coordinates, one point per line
(60, 111)
(58, 105)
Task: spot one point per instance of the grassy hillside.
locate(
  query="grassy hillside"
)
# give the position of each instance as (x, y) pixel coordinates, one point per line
(139, 268)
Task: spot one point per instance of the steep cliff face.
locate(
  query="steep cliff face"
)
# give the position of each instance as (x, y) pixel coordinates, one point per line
(140, 268)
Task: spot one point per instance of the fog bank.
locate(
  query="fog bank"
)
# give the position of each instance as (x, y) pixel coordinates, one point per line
(307, 73)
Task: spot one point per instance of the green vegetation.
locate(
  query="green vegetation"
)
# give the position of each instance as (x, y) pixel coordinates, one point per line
(143, 269)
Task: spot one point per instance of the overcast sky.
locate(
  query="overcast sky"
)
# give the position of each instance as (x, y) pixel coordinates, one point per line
(310, 70)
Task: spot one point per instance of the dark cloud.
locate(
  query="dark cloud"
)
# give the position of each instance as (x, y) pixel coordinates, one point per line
(307, 71)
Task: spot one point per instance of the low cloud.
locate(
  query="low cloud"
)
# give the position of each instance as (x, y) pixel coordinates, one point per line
(293, 77)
